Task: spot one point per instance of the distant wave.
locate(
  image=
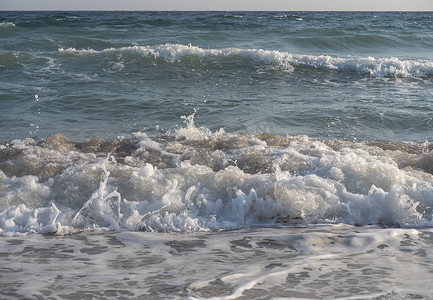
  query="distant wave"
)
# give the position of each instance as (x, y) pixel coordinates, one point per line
(370, 66)
(7, 24)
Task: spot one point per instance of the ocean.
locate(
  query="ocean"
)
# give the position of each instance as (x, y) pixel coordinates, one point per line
(216, 155)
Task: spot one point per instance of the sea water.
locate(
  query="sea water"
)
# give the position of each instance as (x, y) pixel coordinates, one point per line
(216, 155)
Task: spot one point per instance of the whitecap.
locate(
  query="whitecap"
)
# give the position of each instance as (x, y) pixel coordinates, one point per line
(7, 24)
(370, 66)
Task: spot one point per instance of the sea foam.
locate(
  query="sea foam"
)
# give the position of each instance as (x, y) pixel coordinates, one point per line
(198, 180)
(7, 24)
(370, 66)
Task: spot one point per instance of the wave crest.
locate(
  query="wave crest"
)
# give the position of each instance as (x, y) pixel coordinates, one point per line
(370, 66)
(7, 24)
(198, 180)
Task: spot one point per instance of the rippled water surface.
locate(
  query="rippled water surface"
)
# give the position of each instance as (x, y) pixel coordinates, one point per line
(364, 76)
(216, 155)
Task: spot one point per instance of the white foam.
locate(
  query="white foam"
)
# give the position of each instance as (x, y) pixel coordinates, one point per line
(7, 24)
(79, 51)
(320, 262)
(200, 180)
(374, 67)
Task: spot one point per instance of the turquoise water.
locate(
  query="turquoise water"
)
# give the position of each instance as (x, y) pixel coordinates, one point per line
(216, 155)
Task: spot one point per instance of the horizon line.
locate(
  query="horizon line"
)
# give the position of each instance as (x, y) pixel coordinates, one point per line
(204, 10)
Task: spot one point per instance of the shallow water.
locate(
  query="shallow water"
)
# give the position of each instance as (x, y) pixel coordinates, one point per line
(216, 155)
(317, 262)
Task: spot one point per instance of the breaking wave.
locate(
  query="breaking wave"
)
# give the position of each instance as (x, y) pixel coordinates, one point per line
(370, 66)
(7, 24)
(198, 180)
